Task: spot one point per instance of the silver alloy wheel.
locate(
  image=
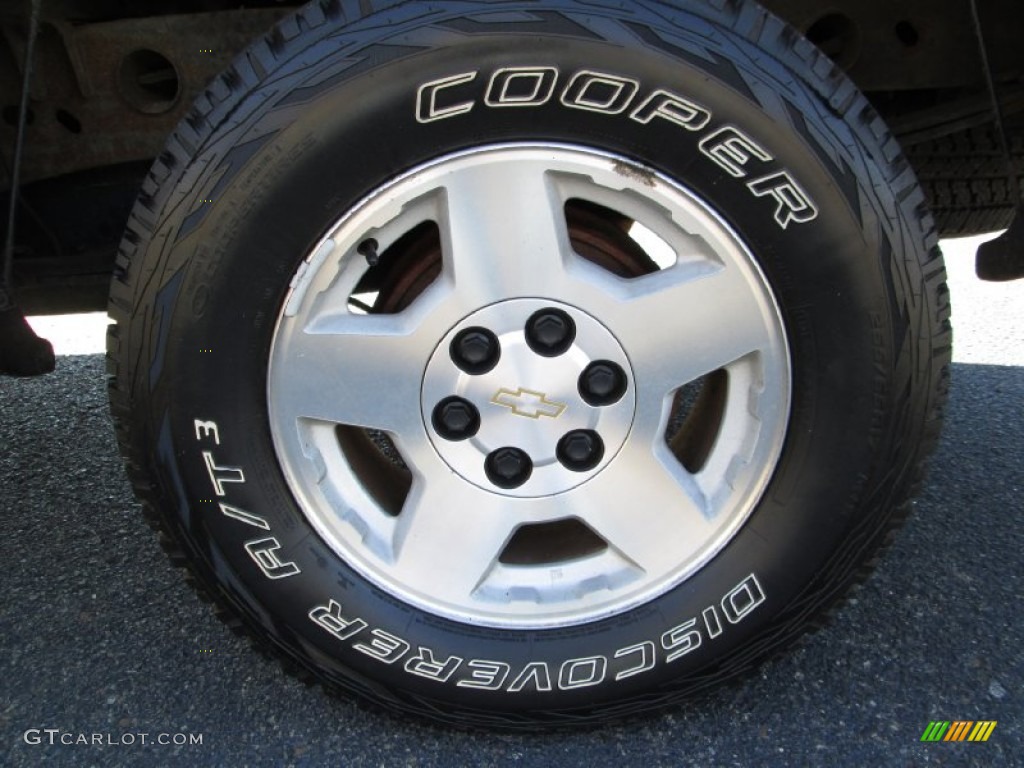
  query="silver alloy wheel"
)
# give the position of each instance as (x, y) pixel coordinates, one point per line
(506, 253)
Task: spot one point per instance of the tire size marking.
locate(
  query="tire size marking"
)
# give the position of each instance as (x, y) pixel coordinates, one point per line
(492, 675)
(726, 146)
(264, 550)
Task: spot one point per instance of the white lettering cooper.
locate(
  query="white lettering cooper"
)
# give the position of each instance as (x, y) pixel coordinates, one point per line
(731, 150)
(610, 94)
(427, 109)
(792, 203)
(674, 108)
(521, 87)
(599, 92)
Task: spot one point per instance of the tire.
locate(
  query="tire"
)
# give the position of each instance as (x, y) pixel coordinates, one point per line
(966, 180)
(425, 413)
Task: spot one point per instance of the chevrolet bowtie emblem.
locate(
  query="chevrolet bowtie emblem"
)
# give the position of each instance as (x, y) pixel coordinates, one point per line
(526, 402)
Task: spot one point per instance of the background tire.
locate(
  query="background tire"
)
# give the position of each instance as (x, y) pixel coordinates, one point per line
(725, 112)
(967, 182)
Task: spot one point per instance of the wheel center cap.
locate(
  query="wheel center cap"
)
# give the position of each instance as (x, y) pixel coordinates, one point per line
(528, 397)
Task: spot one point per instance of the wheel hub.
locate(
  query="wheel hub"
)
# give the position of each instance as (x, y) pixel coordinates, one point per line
(548, 409)
(543, 478)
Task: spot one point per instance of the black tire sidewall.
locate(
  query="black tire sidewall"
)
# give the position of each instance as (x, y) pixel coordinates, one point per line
(317, 157)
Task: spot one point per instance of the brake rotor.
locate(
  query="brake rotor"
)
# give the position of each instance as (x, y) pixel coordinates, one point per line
(414, 261)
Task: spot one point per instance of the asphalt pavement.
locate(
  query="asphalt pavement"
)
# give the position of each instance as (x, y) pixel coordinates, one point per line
(100, 635)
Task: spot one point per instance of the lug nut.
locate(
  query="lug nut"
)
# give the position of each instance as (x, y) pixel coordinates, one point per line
(580, 450)
(455, 418)
(508, 467)
(475, 350)
(602, 383)
(550, 332)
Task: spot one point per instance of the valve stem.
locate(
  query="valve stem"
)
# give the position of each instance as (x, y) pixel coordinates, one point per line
(368, 248)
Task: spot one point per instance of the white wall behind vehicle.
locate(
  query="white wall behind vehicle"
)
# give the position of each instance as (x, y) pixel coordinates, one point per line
(988, 318)
(81, 334)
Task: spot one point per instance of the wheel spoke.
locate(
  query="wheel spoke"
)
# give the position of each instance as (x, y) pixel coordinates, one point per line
(651, 511)
(688, 322)
(449, 536)
(361, 371)
(504, 232)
